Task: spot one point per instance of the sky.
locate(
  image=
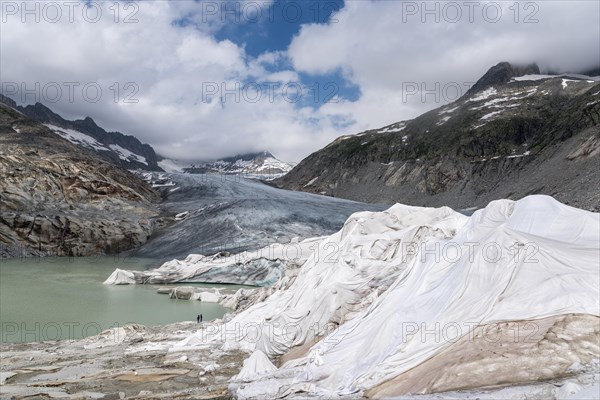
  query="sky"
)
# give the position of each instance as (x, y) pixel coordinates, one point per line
(202, 80)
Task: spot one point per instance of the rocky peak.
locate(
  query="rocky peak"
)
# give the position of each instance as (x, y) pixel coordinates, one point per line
(502, 73)
(8, 101)
(248, 156)
(262, 165)
(40, 112)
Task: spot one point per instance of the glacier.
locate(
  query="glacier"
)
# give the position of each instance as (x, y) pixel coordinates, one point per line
(406, 300)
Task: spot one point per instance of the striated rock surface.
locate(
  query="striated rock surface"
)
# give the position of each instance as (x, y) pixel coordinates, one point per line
(59, 199)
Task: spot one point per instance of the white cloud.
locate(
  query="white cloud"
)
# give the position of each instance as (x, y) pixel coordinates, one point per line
(383, 46)
(370, 44)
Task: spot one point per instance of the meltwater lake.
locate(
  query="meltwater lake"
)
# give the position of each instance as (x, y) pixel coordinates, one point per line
(64, 298)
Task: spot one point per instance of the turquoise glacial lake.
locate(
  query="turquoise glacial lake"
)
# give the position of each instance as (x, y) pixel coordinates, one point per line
(64, 298)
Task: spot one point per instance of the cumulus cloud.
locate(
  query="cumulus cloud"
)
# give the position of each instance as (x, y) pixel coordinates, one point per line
(195, 97)
(386, 47)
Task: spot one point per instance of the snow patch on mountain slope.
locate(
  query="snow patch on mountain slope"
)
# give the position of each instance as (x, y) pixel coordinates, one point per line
(449, 110)
(78, 138)
(484, 94)
(397, 127)
(313, 180)
(443, 121)
(127, 155)
(490, 115)
(86, 141)
(565, 82)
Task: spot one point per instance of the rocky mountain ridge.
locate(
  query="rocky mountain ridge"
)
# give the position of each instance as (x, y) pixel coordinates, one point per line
(515, 133)
(124, 150)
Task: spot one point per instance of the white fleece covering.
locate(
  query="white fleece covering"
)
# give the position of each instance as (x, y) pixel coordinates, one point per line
(392, 289)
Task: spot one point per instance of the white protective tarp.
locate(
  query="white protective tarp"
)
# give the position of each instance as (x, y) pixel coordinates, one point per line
(404, 284)
(342, 275)
(383, 294)
(510, 261)
(262, 267)
(120, 277)
(517, 261)
(256, 366)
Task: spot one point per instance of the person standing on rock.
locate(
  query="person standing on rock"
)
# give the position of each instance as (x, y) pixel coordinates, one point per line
(199, 318)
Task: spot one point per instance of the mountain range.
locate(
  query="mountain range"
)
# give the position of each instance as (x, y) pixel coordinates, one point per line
(124, 150)
(514, 133)
(261, 165)
(66, 188)
(130, 153)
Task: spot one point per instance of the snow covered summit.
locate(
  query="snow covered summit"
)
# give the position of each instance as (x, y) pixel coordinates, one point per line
(262, 165)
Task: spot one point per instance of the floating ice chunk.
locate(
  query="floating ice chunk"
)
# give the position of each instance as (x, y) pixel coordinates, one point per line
(120, 277)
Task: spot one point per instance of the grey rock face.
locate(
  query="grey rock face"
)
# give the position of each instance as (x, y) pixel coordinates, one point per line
(59, 199)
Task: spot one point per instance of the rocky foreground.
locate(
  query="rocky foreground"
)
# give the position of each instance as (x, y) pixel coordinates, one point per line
(130, 362)
(407, 303)
(139, 362)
